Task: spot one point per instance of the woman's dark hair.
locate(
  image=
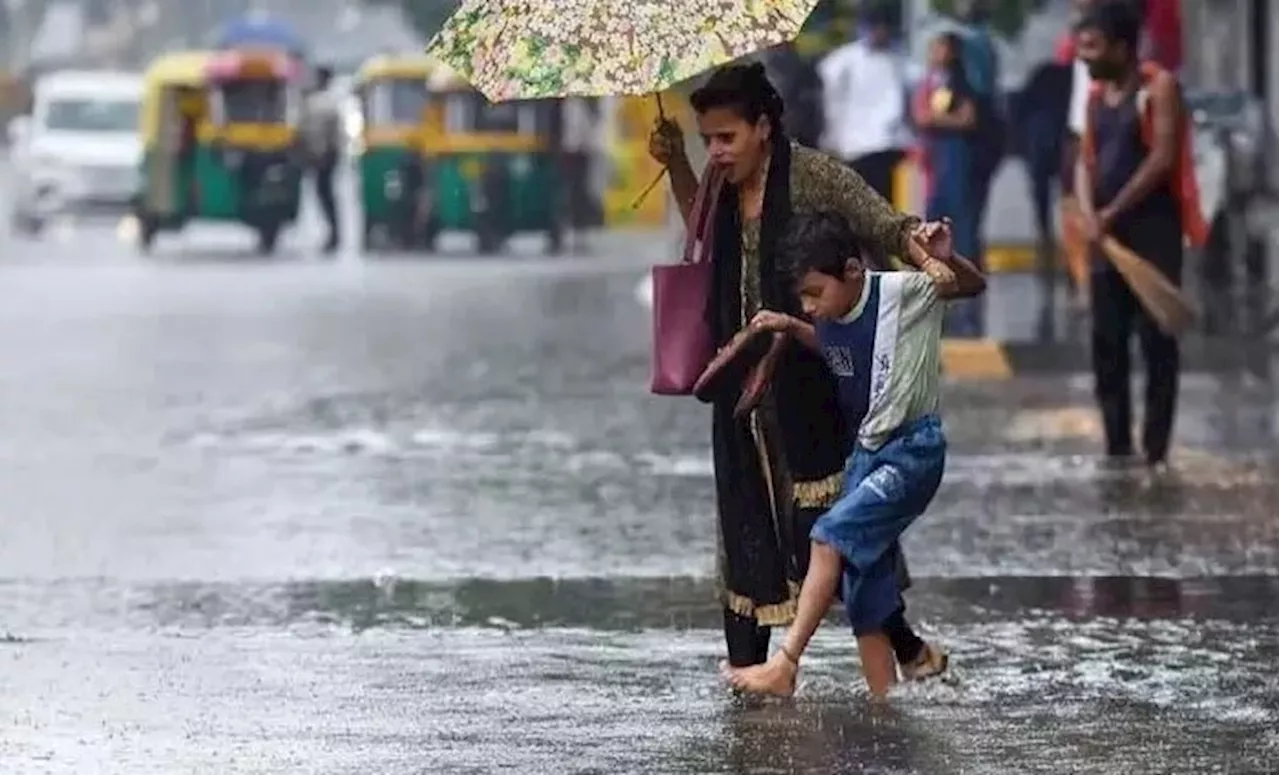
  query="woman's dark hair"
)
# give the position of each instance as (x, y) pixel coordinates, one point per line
(953, 41)
(744, 89)
(1117, 21)
(817, 242)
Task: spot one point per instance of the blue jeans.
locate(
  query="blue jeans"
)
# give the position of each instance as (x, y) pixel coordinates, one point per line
(885, 490)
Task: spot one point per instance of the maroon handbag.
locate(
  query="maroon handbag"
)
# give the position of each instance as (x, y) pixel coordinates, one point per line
(682, 341)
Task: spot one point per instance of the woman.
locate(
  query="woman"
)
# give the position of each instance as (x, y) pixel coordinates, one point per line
(779, 468)
(945, 112)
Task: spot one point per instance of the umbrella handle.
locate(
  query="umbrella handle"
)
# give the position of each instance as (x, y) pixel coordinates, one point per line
(648, 189)
(662, 116)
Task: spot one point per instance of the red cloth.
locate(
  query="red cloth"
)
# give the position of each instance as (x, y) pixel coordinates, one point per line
(1163, 24)
(1065, 51)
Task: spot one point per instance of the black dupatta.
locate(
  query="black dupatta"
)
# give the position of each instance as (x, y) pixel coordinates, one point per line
(806, 426)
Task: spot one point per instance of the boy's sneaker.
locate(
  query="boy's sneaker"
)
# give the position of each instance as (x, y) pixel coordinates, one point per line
(931, 662)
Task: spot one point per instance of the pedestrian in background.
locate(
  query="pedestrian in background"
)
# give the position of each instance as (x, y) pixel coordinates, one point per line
(1135, 182)
(581, 142)
(946, 116)
(323, 135)
(981, 63)
(865, 95)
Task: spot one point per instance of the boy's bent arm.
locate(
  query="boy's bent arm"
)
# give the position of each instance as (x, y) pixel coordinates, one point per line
(970, 281)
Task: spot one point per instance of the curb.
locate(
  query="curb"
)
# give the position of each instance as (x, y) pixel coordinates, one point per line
(989, 359)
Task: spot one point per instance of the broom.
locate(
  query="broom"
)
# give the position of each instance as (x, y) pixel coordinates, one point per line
(1161, 299)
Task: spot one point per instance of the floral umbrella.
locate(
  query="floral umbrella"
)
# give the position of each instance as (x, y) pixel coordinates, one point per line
(530, 49)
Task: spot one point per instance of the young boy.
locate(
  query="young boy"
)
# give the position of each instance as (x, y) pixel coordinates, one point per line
(880, 333)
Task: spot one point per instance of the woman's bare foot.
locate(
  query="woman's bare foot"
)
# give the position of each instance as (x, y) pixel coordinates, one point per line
(776, 677)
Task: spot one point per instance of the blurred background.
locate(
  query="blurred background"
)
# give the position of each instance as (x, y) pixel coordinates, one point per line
(1224, 50)
(410, 506)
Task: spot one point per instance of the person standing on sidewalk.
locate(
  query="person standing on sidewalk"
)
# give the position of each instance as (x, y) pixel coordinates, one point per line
(580, 142)
(1135, 182)
(323, 136)
(864, 89)
(946, 117)
(981, 62)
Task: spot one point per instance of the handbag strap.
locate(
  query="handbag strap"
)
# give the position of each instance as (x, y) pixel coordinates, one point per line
(697, 240)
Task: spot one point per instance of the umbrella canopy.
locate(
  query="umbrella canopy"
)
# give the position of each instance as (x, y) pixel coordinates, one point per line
(530, 49)
(259, 31)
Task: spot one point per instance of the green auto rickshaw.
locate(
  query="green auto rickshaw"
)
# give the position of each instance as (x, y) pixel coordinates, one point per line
(491, 169)
(221, 137)
(393, 99)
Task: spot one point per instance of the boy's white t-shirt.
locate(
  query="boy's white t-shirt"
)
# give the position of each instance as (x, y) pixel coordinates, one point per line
(906, 361)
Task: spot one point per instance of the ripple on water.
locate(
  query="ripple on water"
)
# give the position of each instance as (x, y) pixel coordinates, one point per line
(559, 699)
(573, 456)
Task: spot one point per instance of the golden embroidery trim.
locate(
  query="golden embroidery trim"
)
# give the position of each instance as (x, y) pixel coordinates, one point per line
(818, 493)
(769, 615)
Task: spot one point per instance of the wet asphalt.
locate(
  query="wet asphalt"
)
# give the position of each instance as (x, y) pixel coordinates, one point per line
(422, 516)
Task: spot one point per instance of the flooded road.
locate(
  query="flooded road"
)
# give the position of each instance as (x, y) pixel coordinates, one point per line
(404, 516)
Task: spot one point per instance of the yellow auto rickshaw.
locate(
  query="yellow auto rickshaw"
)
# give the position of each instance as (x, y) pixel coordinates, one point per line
(393, 99)
(490, 167)
(220, 131)
(629, 199)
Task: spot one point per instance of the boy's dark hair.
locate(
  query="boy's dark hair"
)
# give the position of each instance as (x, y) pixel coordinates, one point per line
(817, 242)
(1116, 20)
(744, 89)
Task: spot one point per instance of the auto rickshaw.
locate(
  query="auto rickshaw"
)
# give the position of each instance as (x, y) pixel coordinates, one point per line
(220, 131)
(491, 166)
(393, 98)
(630, 196)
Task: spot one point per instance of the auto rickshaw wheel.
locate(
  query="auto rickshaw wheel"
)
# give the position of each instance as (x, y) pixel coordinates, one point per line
(430, 234)
(268, 235)
(26, 225)
(147, 229)
(490, 241)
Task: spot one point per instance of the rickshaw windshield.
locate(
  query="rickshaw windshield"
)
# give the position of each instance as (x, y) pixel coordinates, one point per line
(471, 112)
(253, 102)
(503, 117)
(395, 101)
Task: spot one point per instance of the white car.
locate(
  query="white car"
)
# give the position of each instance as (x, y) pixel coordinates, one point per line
(80, 149)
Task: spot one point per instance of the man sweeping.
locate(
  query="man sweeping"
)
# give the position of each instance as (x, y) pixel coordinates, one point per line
(1135, 182)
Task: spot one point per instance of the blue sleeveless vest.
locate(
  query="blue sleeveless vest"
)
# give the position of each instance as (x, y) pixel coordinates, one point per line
(848, 349)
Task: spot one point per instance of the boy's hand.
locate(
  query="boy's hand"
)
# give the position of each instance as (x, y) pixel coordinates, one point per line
(768, 320)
